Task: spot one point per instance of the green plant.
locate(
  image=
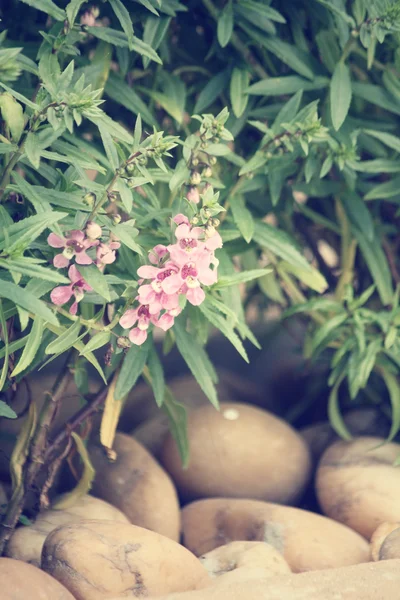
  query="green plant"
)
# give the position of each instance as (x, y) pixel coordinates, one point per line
(131, 126)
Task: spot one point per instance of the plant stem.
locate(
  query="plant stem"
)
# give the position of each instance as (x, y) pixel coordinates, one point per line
(36, 456)
(238, 44)
(84, 413)
(8, 170)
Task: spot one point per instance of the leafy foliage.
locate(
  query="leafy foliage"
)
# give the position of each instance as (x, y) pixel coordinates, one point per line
(278, 120)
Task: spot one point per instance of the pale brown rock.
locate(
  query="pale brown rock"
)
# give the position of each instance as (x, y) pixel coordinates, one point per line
(20, 581)
(97, 560)
(370, 581)
(358, 485)
(137, 485)
(238, 561)
(391, 546)
(26, 543)
(379, 536)
(307, 541)
(240, 451)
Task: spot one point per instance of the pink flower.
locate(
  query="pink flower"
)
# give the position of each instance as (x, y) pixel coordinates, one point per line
(75, 244)
(105, 253)
(194, 271)
(143, 318)
(193, 195)
(180, 218)
(63, 293)
(153, 293)
(157, 253)
(166, 321)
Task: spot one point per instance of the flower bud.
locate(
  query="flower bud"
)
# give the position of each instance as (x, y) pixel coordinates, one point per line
(123, 342)
(207, 172)
(195, 179)
(117, 218)
(193, 195)
(213, 160)
(210, 231)
(93, 230)
(194, 221)
(89, 199)
(195, 162)
(215, 222)
(130, 167)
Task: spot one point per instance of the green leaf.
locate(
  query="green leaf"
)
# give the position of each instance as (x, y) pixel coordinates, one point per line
(126, 234)
(288, 111)
(266, 11)
(21, 234)
(19, 97)
(4, 329)
(13, 115)
(66, 340)
(177, 418)
(224, 327)
(239, 97)
(157, 376)
(340, 95)
(212, 90)
(31, 346)
(169, 104)
(72, 10)
(279, 243)
(358, 214)
(324, 333)
(126, 195)
(377, 264)
(289, 84)
(48, 7)
(197, 360)
(124, 18)
(389, 189)
(96, 279)
(180, 176)
(312, 279)
(27, 266)
(386, 138)
(379, 165)
(225, 25)
(243, 277)
(97, 341)
(376, 95)
(25, 299)
(6, 411)
(117, 38)
(109, 147)
(330, 5)
(33, 149)
(154, 32)
(131, 369)
(394, 393)
(242, 217)
(335, 418)
(120, 92)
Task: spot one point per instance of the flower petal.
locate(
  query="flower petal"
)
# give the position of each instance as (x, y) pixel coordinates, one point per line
(74, 274)
(74, 308)
(60, 261)
(195, 296)
(129, 318)
(171, 284)
(61, 294)
(83, 259)
(137, 336)
(180, 218)
(148, 272)
(165, 322)
(55, 241)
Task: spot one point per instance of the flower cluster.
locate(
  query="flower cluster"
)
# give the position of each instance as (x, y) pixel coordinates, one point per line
(76, 245)
(178, 270)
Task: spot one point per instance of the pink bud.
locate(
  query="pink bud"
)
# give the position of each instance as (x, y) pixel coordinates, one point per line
(193, 195)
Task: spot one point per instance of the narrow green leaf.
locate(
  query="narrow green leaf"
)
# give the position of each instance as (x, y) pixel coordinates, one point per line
(289, 84)
(242, 217)
(335, 418)
(6, 411)
(389, 189)
(378, 266)
(124, 18)
(386, 138)
(312, 279)
(127, 234)
(212, 90)
(177, 418)
(157, 376)
(66, 340)
(340, 94)
(25, 299)
(31, 346)
(96, 279)
(243, 277)
(239, 84)
(131, 369)
(27, 267)
(48, 7)
(72, 10)
(120, 92)
(394, 393)
(279, 243)
(13, 115)
(4, 329)
(23, 233)
(358, 214)
(97, 341)
(20, 97)
(197, 361)
(263, 9)
(218, 321)
(33, 150)
(109, 147)
(225, 25)
(375, 94)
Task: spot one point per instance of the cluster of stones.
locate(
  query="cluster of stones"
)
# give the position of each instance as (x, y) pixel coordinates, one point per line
(226, 528)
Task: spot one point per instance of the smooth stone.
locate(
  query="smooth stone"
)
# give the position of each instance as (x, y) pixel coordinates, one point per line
(379, 536)
(391, 546)
(357, 484)
(137, 485)
(26, 543)
(370, 581)
(99, 559)
(238, 561)
(239, 451)
(307, 541)
(20, 581)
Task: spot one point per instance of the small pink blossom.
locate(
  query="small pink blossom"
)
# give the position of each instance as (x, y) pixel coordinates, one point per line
(105, 253)
(157, 253)
(75, 244)
(193, 195)
(143, 318)
(77, 287)
(180, 218)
